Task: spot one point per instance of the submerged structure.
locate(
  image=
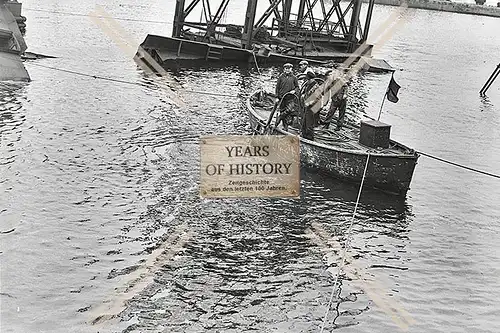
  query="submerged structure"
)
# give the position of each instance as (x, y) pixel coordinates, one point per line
(15, 8)
(12, 47)
(317, 31)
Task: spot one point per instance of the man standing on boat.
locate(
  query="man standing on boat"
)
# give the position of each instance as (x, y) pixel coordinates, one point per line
(309, 118)
(286, 86)
(306, 78)
(338, 102)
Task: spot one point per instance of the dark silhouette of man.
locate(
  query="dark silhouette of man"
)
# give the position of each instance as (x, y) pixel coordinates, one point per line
(287, 83)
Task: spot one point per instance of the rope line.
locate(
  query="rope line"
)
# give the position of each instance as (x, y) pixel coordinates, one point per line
(459, 165)
(127, 82)
(345, 247)
(87, 75)
(97, 16)
(233, 96)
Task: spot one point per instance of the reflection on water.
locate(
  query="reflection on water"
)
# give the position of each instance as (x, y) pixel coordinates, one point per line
(250, 264)
(12, 116)
(373, 201)
(253, 264)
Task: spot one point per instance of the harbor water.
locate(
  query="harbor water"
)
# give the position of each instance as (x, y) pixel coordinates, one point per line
(102, 228)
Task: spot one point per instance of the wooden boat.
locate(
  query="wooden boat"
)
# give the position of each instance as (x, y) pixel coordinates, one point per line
(340, 153)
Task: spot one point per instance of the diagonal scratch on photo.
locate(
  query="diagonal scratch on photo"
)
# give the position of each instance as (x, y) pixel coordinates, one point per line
(249, 166)
(127, 44)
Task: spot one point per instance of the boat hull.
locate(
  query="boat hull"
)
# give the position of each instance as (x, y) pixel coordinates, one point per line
(390, 173)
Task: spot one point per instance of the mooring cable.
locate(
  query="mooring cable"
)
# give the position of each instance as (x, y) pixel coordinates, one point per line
(459, 165)
(128, 82)
(346, 245)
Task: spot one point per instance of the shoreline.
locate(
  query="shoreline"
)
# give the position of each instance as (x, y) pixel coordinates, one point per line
(444, 6)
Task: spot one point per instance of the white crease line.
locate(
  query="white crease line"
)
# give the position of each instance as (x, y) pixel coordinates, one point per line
(376, 291)
(138, 280)
(114, 31)
(321, 95)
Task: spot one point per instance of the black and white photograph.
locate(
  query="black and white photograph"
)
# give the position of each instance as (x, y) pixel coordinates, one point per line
(240, 166)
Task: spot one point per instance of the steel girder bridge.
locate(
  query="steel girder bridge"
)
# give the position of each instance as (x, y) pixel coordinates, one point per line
(322, 27)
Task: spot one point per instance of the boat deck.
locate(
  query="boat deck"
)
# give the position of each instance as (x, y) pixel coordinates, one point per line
(346, 138)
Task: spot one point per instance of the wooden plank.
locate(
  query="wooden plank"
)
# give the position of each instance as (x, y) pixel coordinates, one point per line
(250, 166)
(377, 65)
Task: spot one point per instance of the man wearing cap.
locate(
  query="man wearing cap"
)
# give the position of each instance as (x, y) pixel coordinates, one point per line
(309, 118)
(287, 82)
(306, 72)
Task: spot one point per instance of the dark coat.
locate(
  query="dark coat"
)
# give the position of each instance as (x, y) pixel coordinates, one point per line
(286, 83)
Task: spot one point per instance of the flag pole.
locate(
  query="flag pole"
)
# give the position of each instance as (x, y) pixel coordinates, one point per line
(382, 104)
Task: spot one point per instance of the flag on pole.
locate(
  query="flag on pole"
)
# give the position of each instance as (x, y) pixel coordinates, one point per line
(392, 91)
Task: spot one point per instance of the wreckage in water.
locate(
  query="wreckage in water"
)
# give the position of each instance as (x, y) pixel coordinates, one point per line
(12, 47)
(278, 36)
